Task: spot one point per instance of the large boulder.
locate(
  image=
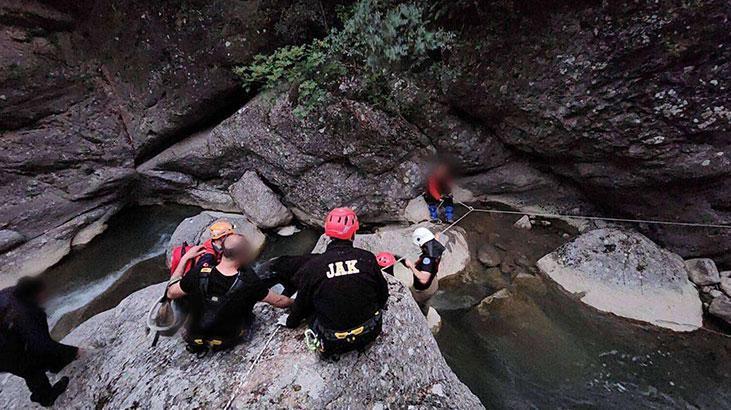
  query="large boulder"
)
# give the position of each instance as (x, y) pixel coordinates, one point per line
(259, 202)
(624, 273)
(194, 230)
(720, 307)
(397, 240)
(703, 271)
(355, 156)
(272, 369)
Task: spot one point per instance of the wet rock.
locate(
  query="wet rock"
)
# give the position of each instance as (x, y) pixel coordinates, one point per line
(493, 300)
(397, 240)
(523, 223)
(726, 285)
(259, 202)
(625, 273)
(532, 284)
(433, 320)
(403, 367)
(194, 230)
(417, 210)
(702, 271)
(40, 253)
(721, 308)
(489, 255)
(495, 279)
(9, 239)
(287, 230)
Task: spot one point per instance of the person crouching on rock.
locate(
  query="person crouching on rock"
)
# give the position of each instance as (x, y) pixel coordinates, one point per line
(343, 290)
(222, 297)
(439, 191)
(425, 269)
(26, 347)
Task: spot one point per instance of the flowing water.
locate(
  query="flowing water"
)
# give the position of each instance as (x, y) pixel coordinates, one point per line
(538, 348)
(129, 256)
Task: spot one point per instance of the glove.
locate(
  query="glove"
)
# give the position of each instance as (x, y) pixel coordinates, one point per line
(282, 321)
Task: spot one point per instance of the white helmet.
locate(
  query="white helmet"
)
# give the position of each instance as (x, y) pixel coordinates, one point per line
(421, 236)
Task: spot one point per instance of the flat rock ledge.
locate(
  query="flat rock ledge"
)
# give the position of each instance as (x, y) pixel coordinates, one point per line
(403, 368)
(624, 273)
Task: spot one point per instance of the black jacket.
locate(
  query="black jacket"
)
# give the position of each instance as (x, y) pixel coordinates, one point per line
(342, 288)
(25, 343)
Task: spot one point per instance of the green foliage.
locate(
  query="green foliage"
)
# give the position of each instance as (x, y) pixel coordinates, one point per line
(378, 40)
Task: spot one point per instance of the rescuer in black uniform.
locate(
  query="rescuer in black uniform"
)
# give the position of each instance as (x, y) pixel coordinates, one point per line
(26, 347)
(426, 268)
(342, 289)
(222, 297)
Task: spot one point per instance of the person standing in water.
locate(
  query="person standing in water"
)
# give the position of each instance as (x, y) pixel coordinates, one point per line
(26, 347)
(439, 191)
(426, 268)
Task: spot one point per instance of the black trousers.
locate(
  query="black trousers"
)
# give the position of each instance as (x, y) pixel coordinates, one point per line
(334, 347)
(38, 384)
(447, 198)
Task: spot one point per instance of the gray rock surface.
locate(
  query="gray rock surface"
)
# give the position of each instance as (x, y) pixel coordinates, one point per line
(373, 164)
(10, 239)
(403, 368)
(90, 88)
(611, 96)
(489, 255)
(194, 230)
(725, 285)
(259, 202)
(417, 210)
(624, 273)
(523, 223)
(702, 271)
(720, 307)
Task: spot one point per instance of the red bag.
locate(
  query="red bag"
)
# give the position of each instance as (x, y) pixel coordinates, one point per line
(178, 253)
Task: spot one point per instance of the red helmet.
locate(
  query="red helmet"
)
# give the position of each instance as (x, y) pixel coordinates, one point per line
(341, 223)
(385, 259)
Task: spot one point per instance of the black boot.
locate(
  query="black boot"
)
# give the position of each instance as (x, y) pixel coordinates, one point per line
(56, 390)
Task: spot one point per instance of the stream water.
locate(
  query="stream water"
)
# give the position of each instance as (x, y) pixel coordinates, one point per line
(538, 348)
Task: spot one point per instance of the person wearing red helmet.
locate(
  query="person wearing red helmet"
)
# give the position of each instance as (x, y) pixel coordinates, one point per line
(387, 261)
(342, 289)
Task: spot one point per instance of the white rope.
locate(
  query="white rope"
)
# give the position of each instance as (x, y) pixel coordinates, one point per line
(246, 376)
(596, 218)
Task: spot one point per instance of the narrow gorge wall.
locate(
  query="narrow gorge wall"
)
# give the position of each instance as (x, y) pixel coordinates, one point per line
(618, 108)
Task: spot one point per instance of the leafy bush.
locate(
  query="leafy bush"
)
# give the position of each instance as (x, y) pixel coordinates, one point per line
(378, 40)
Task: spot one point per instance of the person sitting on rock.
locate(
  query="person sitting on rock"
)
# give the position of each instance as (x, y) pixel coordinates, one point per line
(343, 290)
(439, 191)
(283, 270)
(425, 269)
(26, 347)
(221, 298)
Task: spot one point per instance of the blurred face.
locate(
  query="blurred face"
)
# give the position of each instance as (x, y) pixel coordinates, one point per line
(237, 249)
(441, 171)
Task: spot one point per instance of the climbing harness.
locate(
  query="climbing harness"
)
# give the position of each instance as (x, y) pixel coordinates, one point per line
(312, 342)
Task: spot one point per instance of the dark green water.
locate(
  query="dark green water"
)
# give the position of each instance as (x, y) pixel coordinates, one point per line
(536, 351)
(129, 256)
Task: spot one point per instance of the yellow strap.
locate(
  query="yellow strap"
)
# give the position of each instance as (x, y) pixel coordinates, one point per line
(354, 332)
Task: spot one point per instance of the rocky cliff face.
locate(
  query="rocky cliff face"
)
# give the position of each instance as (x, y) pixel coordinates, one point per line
(616, 108)
(403, 367)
